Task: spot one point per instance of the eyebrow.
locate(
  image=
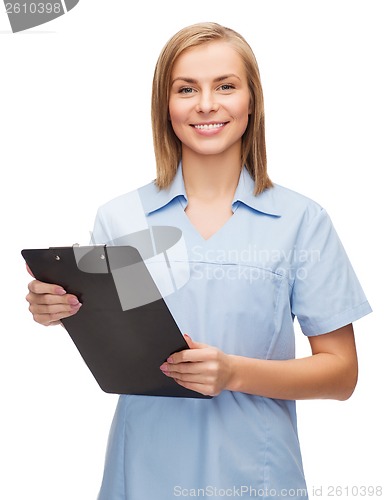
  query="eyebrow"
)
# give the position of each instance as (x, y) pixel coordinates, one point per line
(216, 80)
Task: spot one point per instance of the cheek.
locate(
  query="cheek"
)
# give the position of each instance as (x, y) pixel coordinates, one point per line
(175, 118)
(175, 111)
(244, 108)
(241, 114)
(178, 117)
(175, 121)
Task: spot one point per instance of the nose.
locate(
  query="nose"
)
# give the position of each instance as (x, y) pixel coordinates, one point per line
(207, 102)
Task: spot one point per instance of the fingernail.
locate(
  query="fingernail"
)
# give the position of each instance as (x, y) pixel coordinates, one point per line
(73, 301)
(169, 360)
(60, 291)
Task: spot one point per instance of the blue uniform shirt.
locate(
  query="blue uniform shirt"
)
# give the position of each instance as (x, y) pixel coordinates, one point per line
(278, 257)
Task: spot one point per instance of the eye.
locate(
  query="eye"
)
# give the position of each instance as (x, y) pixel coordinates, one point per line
(226, 86)
(186, 90)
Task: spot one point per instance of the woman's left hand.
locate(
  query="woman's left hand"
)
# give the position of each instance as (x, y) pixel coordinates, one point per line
(201, 368)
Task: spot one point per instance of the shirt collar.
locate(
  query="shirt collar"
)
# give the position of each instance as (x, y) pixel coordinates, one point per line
(164, 196)
(265, 202)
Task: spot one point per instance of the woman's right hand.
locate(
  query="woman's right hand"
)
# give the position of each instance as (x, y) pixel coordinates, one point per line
(50, 303)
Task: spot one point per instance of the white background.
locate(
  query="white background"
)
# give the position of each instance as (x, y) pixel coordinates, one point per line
(75, 132)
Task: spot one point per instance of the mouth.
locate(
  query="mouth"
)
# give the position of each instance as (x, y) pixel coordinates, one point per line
(209, 126)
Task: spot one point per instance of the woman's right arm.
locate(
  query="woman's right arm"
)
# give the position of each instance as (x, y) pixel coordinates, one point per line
(50, 303)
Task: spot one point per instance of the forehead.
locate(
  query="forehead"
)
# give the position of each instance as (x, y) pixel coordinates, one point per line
(209, 60)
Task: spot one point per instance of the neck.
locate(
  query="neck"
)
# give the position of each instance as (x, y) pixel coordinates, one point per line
(210, 176)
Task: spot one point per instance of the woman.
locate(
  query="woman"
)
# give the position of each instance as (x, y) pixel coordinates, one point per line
(259, 255)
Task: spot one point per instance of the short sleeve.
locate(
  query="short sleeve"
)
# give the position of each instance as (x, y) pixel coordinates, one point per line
(118, 218)
(326, 293)
(99, 234)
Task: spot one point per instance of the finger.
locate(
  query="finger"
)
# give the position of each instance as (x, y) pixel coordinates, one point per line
(198, 382)
(201, 388)
(188, 355)
(39, 287)
(51, 319)
(182, 368)
(203, 353)
(195, 378)
(192, 344)
(185, 355)
(53, 308)
(29, 270)
(187, 378)
(50, 299)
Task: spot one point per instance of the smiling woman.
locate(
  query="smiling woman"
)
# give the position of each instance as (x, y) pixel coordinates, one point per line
(167, 144)
(259, 256)
(209, 113)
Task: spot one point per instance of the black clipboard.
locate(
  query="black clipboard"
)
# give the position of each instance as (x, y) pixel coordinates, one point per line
(123, 348)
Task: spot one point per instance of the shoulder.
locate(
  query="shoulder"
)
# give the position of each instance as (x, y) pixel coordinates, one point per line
(130, 201)
(288, 204)
(304, 217)
(290, 198)
(126, 213)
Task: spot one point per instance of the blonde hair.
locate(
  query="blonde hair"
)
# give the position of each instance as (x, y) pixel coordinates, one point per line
(167, 146)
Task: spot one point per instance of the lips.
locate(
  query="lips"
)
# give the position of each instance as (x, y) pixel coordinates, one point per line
(209, 126)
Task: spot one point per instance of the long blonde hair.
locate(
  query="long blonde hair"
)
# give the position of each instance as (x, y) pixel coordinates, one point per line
(167, 146)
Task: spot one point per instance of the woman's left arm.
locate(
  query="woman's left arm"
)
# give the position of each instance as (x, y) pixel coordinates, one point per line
(330, 373)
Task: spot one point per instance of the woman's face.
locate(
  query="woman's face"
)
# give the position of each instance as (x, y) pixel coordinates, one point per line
(209, 99)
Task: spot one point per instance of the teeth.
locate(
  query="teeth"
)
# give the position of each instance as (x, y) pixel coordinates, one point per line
(210, 126)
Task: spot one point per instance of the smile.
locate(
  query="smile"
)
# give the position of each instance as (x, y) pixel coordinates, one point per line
(209, 126)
